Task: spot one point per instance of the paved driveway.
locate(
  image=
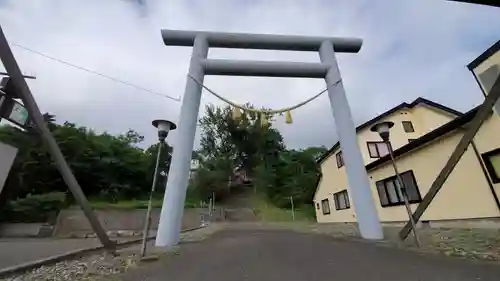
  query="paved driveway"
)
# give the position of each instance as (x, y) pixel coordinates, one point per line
(23, 250)
(253, 255)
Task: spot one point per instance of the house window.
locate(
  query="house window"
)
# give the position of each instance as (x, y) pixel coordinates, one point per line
(325, 206)
(408, 126)
(492, 162)
(377, 149)
(340, 159)
(317, 206)
(341, 200)
(390, 194)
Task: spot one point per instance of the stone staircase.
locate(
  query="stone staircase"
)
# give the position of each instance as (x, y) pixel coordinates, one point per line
(240, 215)
(238, 207)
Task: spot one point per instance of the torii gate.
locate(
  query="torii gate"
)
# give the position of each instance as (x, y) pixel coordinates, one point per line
(175, 192)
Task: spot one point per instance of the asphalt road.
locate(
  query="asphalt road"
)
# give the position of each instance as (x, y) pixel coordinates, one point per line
(232, 255)
(22, 250)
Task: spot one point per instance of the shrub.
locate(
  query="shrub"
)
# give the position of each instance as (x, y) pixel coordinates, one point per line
(34, 208)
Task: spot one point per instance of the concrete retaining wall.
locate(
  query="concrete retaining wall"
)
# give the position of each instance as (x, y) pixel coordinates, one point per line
(72, 222)
(8, 154)
(20, 229)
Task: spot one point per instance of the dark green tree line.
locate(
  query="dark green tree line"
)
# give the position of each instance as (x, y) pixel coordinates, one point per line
(106, 166)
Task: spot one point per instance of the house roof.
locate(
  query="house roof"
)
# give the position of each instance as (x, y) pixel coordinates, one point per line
(482, 2)
(431, 136)
(389, 112)
(484, 56)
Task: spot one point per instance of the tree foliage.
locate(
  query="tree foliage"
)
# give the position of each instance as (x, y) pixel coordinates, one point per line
(259, 150)
(106, 166)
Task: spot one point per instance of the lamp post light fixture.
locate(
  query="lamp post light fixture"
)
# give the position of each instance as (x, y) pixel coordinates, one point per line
(164, 127)
(383, 130)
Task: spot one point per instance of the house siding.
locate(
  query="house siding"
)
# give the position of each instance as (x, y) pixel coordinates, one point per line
(334, 179)
(429, 119)
(398, 136)
(465, 195)
(487, 139)
(423, 118)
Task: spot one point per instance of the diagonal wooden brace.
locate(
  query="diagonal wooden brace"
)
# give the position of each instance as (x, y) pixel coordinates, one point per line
(24, 92)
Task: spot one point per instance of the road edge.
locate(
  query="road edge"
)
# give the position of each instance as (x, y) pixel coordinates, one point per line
(5, 272)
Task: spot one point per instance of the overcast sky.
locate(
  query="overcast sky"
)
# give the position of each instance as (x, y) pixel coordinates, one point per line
(411, 49)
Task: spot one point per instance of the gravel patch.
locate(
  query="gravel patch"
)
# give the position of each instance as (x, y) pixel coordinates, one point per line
(86, 268)
(104, 266)
(475, 244)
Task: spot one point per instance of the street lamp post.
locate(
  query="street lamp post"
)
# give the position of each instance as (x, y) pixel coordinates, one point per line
(163, 127)
(383, 130)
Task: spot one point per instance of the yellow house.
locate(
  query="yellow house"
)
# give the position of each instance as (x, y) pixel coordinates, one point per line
(423, 137)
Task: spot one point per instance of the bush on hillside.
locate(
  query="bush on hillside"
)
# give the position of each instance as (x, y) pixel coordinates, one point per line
(34, 208)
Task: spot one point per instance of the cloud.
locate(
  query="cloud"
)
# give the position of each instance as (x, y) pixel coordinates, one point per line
(411, 49)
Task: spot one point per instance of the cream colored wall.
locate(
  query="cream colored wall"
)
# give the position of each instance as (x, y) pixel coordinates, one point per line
(398, 136)
(464, 195)
(428, 118)
(334, 180)
(423, 118)
(488, 139)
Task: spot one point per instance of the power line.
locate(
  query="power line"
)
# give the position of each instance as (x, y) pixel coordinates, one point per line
(95, 72)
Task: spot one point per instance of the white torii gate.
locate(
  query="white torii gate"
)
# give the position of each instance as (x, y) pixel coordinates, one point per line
(175, 192)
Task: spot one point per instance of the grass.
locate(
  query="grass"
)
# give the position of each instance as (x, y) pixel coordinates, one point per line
(125, 204)
(268, 212)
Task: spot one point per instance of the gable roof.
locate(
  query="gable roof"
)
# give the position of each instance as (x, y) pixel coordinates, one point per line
(431, 136)
(481, 2)
(484, 56)
(389, 112)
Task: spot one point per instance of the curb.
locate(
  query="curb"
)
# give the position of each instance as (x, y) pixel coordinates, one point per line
(5, 272)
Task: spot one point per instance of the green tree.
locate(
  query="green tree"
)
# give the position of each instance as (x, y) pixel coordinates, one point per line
(276, 172)
(108, 166)
(295, 174)
(164, 166)
(227, 143)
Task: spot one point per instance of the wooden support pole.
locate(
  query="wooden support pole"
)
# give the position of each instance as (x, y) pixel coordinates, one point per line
(463, 144)
(24, 92)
